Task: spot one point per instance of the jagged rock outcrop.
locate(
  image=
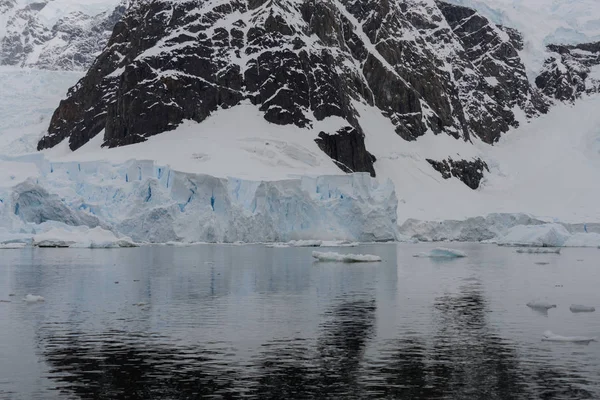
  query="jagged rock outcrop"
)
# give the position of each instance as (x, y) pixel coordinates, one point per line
(72, 43)
(469, 172)
(571, 72)
(424, 66)
(347, 148)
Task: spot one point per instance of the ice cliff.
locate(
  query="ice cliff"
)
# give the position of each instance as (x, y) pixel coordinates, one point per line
(152, 203)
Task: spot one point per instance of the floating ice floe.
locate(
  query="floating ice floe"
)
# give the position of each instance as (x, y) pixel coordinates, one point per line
(578, 308)
(441, 252)
(551, 337)
(347, 258)
(537, 250)
(540, 305)
(30, 298)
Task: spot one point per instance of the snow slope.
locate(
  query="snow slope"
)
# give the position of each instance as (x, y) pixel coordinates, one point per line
(543, 22)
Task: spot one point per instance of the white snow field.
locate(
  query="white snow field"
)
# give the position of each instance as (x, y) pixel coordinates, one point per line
(345, 258)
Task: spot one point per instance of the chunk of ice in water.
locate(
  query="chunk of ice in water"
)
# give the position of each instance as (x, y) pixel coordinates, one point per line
(30, 298)
(577, 308)
(347, 258)
(551, 337)
(540, 305)
(442, 252)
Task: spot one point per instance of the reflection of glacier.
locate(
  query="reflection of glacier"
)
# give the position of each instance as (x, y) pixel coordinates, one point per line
(152, 203)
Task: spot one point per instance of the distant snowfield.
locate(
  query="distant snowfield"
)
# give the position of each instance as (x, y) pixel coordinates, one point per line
(548, 167)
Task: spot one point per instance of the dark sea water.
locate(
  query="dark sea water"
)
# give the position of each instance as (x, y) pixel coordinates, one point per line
(251, 322)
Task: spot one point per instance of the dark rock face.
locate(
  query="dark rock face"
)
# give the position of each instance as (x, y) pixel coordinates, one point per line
(469, 172)
(300, 62)
(567, 75)
(71, 44)
(347, 149)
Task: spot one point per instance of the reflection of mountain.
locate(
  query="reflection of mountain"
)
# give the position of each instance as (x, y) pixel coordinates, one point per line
(463, 358)
(122, 365)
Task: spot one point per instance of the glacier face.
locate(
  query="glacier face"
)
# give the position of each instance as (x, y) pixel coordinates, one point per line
(152, 203)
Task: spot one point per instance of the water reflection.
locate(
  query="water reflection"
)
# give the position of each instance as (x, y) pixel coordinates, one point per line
(121, 365)
(281, 329)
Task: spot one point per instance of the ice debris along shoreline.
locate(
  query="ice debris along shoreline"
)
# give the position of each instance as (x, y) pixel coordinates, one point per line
(345, 258)
(60, 235)
(442, 252)
(551, 337)
(537, 250)
(150, 203)
(504, 229)
(578, 308)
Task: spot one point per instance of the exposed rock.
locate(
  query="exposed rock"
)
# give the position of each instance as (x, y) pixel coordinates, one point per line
(347, 149)
(469, 172)
(571, 72)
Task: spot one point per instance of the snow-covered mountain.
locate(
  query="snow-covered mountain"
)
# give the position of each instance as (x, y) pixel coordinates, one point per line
(426, 66)
(56, 34)
(225, 120)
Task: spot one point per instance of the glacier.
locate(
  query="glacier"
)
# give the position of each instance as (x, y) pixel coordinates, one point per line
(141, 201)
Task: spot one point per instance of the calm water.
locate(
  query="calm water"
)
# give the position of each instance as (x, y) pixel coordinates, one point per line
(229, 322)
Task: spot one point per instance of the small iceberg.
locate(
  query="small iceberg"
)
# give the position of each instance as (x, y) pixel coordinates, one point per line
(578, 308)
(30, 298)
(551, 337)
(543, 250)
(346, 258)
(540, 305)
(442, 252)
